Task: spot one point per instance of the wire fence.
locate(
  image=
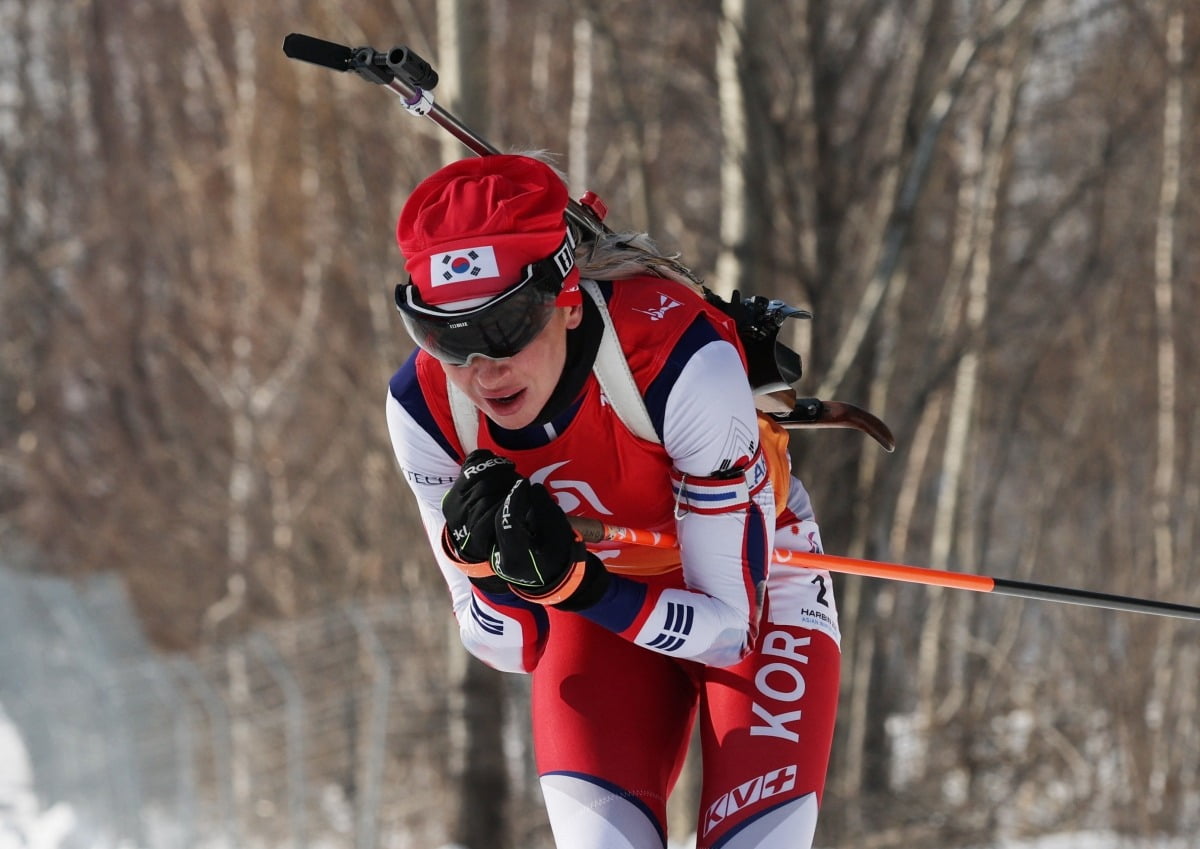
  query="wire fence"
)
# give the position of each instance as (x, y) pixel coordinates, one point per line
(332, 731)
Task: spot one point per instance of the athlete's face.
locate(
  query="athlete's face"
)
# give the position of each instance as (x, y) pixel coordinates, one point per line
(511, 392)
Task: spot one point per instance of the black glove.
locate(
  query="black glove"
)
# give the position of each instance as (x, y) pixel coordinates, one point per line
(541, 556)
(471, 504)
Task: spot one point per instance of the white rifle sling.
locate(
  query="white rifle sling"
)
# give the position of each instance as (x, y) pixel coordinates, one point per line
(611, 370)
(615, 378)
(466, 418)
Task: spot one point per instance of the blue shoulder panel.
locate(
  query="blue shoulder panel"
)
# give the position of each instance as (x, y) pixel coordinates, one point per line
(406, 389)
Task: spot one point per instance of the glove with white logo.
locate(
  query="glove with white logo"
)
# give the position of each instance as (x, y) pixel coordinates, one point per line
(541, 556)
(470, 507)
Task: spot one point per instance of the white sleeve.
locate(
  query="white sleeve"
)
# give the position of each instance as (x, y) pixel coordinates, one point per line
(710, 419)
(710, 427)
(507, 637)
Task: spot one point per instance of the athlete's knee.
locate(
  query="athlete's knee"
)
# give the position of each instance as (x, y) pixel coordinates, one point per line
(585, 814)
(790, 825)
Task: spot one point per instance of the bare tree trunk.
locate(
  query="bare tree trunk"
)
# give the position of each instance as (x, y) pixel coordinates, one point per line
(236, 90)
(862, 698)
(1164, 284)
(578, 170)
(734, 146)
(859, 699)
(916, 173)
(257, 400)
(632, 150)
(982, 169)
(745, 223)
(462, 68)
(906, 77)
(1164, 489)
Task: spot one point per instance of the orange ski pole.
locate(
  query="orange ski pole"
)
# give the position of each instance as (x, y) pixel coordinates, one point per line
(593, 530)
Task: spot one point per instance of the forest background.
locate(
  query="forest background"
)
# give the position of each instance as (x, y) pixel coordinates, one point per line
(989, 206)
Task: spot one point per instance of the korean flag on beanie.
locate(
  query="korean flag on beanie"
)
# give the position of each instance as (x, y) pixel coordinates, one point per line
(463, 265)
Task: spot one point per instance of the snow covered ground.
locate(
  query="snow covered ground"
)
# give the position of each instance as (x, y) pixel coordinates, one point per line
(24, 823)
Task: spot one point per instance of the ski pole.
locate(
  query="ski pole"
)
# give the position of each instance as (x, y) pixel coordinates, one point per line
(593, 530)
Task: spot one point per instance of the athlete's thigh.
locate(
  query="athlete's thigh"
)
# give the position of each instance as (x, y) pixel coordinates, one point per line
(611, 715)
(767, 723)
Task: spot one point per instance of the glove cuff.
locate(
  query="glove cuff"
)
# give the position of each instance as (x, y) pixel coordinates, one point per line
(581, 586)
(592, 586)
(482, 569)
(491, 585)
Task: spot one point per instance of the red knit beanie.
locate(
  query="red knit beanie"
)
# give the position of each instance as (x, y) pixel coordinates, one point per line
(469, 229)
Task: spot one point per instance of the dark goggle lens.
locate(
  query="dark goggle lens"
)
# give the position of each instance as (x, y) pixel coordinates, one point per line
(504, 331)
(498, 329)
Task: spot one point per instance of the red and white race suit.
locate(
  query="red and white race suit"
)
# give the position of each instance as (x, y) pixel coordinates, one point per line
(711, 630)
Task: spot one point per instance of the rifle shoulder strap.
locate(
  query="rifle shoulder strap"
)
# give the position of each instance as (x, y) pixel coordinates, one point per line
(466, 418)
(616, 380)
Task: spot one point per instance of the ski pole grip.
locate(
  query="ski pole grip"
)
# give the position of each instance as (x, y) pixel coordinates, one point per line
(589, 530)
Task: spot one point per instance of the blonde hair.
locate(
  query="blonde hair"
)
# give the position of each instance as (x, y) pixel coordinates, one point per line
(617, 256)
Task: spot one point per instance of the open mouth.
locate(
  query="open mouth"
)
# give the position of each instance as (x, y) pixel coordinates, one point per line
(502, 403)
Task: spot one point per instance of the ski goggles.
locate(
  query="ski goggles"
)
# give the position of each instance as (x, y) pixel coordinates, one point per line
(497, 329)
